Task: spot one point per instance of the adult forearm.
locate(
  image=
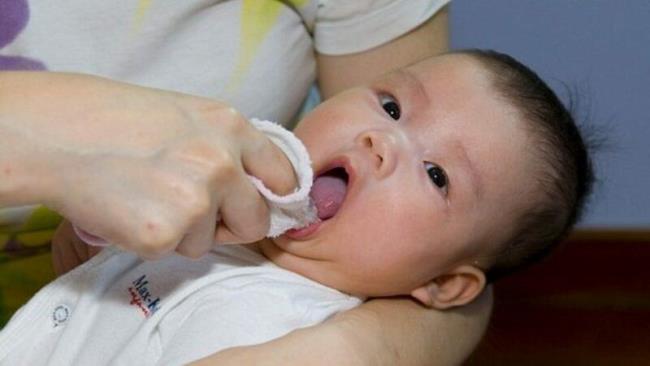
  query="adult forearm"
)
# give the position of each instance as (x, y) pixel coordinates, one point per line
(401, 332)
(380, 332)
(323, 345)
(25, 167)
(22, 174)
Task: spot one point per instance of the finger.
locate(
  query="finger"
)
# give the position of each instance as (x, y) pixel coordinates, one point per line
(93, 251)
(200, 239)
(56, 257)
(263, 159)
(82, 249)
(148, 244)
(140, 215)
(223, 236)
(89, 238)
(64, 257)
(244, 215)
(78, 245)
(115, 224)
(147, 229)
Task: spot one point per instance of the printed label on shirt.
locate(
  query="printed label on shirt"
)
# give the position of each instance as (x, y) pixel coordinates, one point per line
(142, 298)
(60, 315)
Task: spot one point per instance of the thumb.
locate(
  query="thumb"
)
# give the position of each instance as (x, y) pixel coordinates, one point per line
(265, 160)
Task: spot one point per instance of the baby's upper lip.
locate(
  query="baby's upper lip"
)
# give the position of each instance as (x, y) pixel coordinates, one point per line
(342, 161)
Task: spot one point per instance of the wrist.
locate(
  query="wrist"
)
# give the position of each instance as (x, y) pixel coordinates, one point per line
(27, 172)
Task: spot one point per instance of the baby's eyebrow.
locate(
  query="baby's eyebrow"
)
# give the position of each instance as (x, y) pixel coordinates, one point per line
(470, 167)
(414, 83)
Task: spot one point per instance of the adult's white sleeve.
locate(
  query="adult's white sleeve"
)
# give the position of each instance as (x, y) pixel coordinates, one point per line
(344, 26)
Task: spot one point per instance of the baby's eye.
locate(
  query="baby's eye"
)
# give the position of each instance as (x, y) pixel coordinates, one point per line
(390, 105)
(437, 176)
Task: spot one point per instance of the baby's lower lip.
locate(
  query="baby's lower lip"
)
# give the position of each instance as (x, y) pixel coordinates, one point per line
(302, 233)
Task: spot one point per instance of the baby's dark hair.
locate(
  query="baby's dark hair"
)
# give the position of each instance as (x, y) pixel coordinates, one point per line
(567, 177)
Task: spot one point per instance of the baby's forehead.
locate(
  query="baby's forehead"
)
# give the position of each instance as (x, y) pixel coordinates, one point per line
(452, 75)
(449, 62)
(452, 82)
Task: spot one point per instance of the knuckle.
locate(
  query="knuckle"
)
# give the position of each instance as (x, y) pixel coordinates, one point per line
(234, 123)
(189, 194)
(192, 196)
(154, 238)
(183, 188)
(211, 110)
(224, 168)
(198, 207)
(222, 115)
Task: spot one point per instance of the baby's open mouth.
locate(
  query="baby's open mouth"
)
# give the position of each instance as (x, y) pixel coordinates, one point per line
(328, 192)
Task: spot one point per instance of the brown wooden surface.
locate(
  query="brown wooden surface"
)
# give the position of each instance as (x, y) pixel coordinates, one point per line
(588, 304)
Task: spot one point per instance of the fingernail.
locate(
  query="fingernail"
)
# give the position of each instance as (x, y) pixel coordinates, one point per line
(89, 238)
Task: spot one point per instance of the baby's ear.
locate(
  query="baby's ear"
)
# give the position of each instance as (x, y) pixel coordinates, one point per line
(455, 288)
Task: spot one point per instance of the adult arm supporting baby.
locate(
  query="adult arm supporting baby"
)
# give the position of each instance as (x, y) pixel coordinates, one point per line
(134, 165)
(453, 336)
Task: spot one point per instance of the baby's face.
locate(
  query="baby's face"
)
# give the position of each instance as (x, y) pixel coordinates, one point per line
(436, 168)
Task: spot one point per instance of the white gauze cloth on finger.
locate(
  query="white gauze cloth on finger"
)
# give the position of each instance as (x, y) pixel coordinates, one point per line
(296, 209)
(292, 211)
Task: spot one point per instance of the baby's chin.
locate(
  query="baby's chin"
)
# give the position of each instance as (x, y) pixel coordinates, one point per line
(328, 274)
(309, 268)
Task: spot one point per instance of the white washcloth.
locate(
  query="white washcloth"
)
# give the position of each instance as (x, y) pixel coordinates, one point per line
(292, 211)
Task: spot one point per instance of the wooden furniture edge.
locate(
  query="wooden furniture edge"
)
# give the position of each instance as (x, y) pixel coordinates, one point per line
(611, 234)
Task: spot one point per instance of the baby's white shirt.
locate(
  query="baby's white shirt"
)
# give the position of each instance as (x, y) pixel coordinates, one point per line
(117, 309)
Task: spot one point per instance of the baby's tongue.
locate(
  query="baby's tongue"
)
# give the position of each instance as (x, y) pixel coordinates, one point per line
(328, 193)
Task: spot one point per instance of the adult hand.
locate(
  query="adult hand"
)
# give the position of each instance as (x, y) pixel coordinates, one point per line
(148, 170)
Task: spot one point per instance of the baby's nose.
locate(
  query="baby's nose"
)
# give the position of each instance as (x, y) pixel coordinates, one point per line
(381, 149)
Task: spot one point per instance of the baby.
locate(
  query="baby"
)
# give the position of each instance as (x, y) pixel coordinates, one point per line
(454, 171)
(431, 182)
